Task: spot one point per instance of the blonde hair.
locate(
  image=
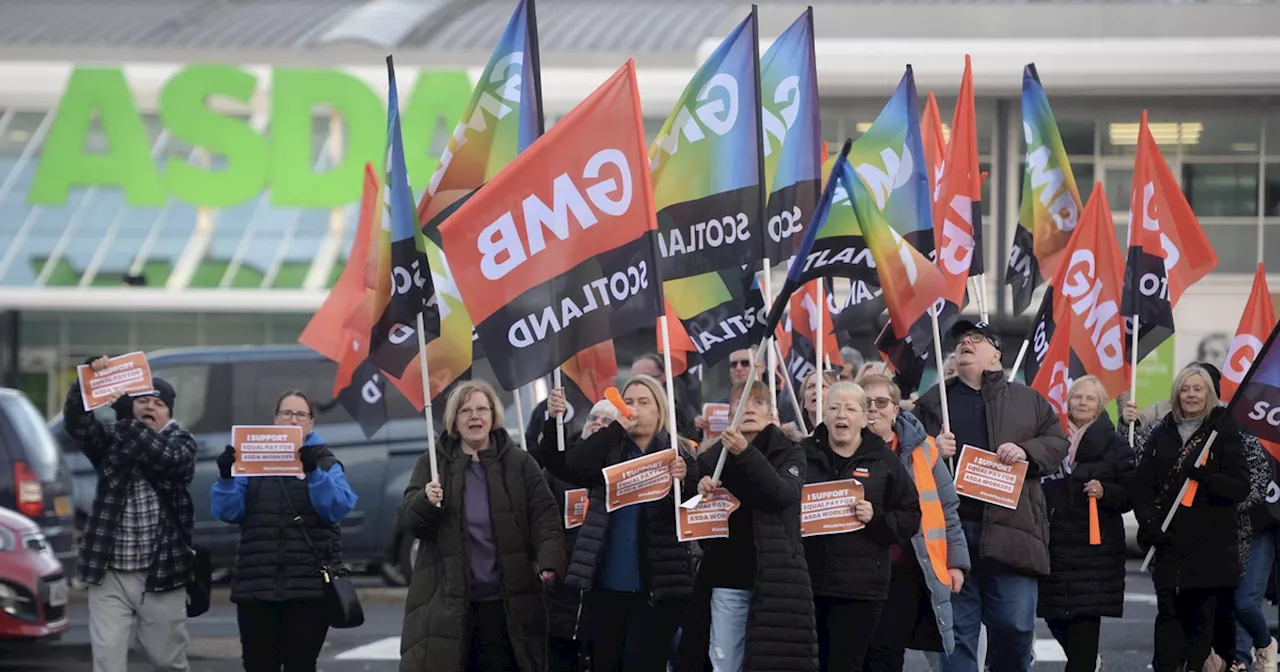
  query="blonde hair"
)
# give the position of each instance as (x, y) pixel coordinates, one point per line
(846, 386)
(462, 393)
(1103, 398)
(895, 392)
(655, 388)
(1185, 374)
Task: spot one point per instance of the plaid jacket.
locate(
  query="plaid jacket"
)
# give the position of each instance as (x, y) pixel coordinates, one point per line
(121, 453)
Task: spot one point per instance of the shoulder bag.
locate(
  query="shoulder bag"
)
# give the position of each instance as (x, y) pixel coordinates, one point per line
(341, 602)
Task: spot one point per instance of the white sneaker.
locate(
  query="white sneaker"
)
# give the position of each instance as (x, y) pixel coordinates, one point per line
(1264, 660)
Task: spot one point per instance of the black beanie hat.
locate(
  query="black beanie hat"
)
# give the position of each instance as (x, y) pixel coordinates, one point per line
(159, 388)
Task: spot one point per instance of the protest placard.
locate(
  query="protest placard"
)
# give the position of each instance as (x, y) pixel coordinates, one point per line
(709, 519)
(575, 507)
(129, 374)
(266, 450)
(827, 508)
(983, 477)
(644, 479)
(717, 417)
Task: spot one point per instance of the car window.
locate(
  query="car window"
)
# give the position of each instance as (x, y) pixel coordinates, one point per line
(40, 447)
(256, 386)
(193, 388)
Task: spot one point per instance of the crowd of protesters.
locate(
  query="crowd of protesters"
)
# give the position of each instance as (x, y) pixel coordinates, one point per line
(499, 583)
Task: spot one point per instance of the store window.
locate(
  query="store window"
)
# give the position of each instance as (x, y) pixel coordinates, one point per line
(1235, 244)
(1221, 134)
(1221, 189)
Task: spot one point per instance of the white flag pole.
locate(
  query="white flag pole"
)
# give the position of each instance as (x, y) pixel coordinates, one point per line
(1017, 362)
(942, 382)
(1177, 503)
(819, 336)
(671, 402)
(520, 418)
(559, 418)
(767, 285)
(791, 388)
(1133, 376)
(737, 418)
(426, 395)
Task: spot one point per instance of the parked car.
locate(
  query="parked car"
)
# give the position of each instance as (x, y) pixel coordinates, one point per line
(34, 478)
(221, 387)
(33, 588)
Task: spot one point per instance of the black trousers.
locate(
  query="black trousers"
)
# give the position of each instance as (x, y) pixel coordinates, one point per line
(1079, 639)
(907, 612)
(490, 645)
(1208, 619)
(845, 629)
(623, 632)
(562, 655)
(1167, 649)
(276, 636)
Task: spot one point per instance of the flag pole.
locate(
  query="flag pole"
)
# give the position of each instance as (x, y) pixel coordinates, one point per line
(942, 381)
(1186, 484)
(559, 417)
(791, 388)
(671, 402)
(1017, 361)
(426, 396)
(737, 418)
(520, 418)
(1133, 377)
(767, 285)
(819, 336)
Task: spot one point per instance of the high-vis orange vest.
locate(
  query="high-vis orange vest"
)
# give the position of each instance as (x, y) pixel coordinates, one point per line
(932, 521)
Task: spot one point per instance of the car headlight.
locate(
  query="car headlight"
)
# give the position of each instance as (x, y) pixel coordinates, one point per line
(18, 602)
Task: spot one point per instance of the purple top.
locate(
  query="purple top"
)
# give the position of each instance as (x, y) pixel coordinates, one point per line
(486, 584)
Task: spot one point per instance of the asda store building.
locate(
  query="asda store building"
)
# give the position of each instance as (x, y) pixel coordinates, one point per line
(184, 173)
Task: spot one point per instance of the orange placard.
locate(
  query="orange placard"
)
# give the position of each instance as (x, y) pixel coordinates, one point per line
(129, 374)
(709, 519)
(827, 508)
(575, 507)
(717, 417)
(267, 450)
(644, 479)
(981, 476)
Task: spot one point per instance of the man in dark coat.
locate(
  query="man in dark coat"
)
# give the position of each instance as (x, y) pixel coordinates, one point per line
(752, 607)
(1010, 547)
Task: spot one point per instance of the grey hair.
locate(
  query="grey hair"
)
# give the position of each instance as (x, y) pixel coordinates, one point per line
(1103, 398)
(605, 408)
(1186, 373)
(851, 356)
(846, 386)
(462, 393)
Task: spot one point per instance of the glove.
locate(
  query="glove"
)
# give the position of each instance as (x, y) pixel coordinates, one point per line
(225, 460)
(308, 457)
(1154, 538)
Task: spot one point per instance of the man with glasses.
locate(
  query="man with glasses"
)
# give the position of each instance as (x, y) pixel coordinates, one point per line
(1010, 547)
(739, 368)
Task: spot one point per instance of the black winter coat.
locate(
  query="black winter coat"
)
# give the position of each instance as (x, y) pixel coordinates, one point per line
(666, 565)
(1088, 580)
(526, 530)
(768, 476)
(856, 565)
(1199, 548)
(274, 563)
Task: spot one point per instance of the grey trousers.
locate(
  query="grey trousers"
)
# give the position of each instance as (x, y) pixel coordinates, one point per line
(119, 609)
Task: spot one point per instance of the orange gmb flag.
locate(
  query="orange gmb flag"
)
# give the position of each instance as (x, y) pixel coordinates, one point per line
(681, 344)
(1087, 302)
(593, 370)
(1256, 323)
(805, 310)
(935, 141)
(1054, 377)
(556, 253)
(957, 200)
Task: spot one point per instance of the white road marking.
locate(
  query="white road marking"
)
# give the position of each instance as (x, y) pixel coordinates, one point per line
(1141, 598)
(383, 649)
(1049, 651)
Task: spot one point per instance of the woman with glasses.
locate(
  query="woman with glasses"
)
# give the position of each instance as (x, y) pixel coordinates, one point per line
(288, 531)
(491, 537)
(926, 571)
(851, 572)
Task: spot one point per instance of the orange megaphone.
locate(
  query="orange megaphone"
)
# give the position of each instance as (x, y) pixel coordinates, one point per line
(615, 398)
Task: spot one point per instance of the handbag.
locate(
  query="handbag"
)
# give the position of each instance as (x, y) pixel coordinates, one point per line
(341, 602)
(200, 587)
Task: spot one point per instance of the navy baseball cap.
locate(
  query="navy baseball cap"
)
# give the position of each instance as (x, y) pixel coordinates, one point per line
(962, 327)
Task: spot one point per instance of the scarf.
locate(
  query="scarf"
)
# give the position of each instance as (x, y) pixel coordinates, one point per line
(1074, 435)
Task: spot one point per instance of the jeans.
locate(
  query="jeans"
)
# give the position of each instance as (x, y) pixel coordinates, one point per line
(275, 635)
(1251, 623)
(729, 608)
(1004, 600)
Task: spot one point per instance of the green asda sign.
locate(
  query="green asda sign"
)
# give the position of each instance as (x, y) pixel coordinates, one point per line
(280, 160)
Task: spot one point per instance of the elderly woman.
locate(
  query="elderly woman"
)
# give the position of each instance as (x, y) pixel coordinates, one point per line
(1086, 582)
(1197, 563)
(851, 572)
(924, 573)
(491, 535)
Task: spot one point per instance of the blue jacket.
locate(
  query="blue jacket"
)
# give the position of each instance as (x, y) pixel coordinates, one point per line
(329, 492)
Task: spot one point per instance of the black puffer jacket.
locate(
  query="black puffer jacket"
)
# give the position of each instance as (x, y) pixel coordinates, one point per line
(1199, 548)
(856, 565)
(768, 475)
(1088, 580)
(666, 565)
(526, 530)
(274, 561)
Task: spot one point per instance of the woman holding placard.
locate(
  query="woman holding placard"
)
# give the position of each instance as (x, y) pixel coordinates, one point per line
(850, 571)
(1086, 579)
(635, 575)
(491, 536)
(288, 532)
(927, 571)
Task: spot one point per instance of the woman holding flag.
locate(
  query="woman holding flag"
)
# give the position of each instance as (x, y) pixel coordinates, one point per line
(491, 536)
(636, 576)
(1197, 563)
(1086, 578)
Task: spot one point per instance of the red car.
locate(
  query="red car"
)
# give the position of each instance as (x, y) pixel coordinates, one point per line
(33, 590)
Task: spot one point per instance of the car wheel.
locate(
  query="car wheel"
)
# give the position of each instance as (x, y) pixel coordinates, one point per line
(399, 572)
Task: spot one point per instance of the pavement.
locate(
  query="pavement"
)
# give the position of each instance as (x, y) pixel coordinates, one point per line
(374, 647)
